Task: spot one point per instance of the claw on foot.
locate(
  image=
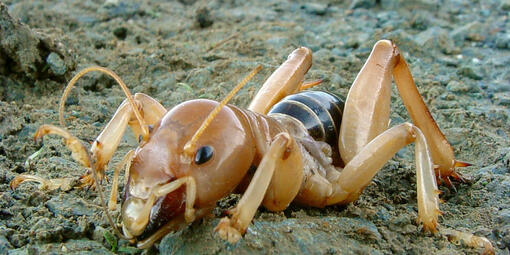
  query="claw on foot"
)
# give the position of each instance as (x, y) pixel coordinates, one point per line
(429, 221)
(87, 181)
(79, 151)
(64, 184)
(444, 176)
(227, 232)
(470, 240)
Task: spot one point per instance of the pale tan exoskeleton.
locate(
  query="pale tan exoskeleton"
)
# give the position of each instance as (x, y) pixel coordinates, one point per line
(201, 150)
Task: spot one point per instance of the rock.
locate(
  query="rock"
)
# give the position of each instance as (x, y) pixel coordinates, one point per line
(57, 65)
(498, 86)
(382, 214)
(277, 42)
(72, 100)
(502, 41)
(315, 8)
(203, 17)
(504, 233)
(502, 99)
(458, 87)
(469, 72)
(494, 169)
(5, 246)
(421, 20)
(114, 9)
(19, 44)
(82, 246)
(436, 37)
(98, 234)
(27, 51)
(366, 4)
(471, 31)
(428, 5)
(289, 236)
(120, 32)
(505, 5)
(187, 2)
(66, 207)
(504, 216)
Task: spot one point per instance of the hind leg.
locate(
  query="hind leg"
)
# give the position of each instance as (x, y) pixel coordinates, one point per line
(346, 186)
(367, 108)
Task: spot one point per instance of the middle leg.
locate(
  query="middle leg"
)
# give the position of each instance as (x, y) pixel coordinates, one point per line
(286, 80)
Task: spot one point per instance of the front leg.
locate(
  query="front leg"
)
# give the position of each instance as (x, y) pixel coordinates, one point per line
(105, 144)
(232, 229)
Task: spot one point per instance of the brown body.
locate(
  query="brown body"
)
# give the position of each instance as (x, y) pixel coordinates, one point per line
(201, 150)
(242, 135)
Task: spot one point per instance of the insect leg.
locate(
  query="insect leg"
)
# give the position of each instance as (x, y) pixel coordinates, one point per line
(231, 229)
(442, 152)
(112, 203)
(360, 171)
(79, 153)
(367, 106)
(106, 143)
(287, 179)
(458, 237)
(286, 80)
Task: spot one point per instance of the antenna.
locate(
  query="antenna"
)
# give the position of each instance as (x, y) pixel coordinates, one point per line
(143, 126)
(189, 148)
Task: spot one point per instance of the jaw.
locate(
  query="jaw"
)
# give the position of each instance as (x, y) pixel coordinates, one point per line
(173, 225)
(146, 241)
(141, 218)
(166, 209)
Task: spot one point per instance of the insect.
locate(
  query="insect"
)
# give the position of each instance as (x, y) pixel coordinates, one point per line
(191, 156)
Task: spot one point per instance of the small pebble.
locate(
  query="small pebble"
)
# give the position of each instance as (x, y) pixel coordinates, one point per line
(120, 32)
(363, 4)
(57, 65)
(502, 99)
(98, 234)
(458, 87)
(315, 8)
(505, 5)
(203, 17)
(503, 41)
(469, 72)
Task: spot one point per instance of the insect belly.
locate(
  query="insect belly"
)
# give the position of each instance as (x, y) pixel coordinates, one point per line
(319, 112)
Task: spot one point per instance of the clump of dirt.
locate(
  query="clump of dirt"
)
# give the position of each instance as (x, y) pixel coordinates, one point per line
(31, 54)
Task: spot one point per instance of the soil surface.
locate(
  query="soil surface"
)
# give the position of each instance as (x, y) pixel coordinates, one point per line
(458, 51)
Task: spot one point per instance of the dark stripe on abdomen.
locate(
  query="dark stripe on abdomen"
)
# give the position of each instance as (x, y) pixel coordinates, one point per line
(320, 112)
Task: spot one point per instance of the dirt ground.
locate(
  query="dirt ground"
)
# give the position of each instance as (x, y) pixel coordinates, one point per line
(459, 53)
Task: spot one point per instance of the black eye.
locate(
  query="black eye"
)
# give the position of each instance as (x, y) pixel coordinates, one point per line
(203, 154)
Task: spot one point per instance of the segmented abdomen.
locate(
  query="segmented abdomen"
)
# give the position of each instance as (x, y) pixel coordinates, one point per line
(319, 111)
